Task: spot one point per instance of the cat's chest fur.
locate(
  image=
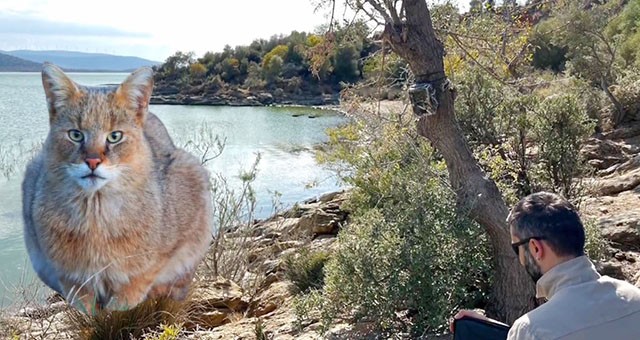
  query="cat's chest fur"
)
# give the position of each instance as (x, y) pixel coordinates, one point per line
(108, 229)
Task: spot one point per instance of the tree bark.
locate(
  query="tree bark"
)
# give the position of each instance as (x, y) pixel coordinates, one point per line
(414, 40)
(618, 115)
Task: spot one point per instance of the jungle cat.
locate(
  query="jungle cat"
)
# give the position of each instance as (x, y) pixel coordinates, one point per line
(114, 213)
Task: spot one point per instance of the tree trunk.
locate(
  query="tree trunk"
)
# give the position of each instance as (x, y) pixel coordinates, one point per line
(618, 115)
(415, 41)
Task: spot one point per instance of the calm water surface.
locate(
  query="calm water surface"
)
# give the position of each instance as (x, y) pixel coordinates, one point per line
(287, 165)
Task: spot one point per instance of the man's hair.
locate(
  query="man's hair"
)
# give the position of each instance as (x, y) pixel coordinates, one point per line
(552, 218)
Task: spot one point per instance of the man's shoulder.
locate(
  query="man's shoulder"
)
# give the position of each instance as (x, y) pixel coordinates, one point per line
(552, 320)
(522, 329)
(579, 307)
(621, 286)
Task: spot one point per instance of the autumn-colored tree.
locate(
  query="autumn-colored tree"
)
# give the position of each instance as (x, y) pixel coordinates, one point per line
(197, 70)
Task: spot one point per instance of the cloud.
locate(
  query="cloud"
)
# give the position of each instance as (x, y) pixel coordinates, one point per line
(13, 23)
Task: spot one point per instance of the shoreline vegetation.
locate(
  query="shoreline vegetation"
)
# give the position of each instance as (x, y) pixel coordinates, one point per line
(300, 68)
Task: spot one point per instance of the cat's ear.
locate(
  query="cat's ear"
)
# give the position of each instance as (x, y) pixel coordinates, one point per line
(59, 89)
(135, 92)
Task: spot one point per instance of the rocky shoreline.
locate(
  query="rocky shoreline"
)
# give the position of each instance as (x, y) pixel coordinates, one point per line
(240, 97)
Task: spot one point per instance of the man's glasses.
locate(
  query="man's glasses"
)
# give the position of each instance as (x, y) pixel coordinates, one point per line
(516, 246)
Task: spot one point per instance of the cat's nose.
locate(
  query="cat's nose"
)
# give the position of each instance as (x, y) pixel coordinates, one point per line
(93, 162)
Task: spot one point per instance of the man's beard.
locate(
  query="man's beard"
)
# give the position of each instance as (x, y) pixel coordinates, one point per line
(532, 268)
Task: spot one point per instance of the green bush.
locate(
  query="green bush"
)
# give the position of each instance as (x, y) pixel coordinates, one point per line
(560, 128)
(477, 105)
(628, 93)
(546, 55)
(524, 142)
(408, 247)
(596, 246)
(306, 270)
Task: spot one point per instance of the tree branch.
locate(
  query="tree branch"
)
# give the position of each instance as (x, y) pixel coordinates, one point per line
(392, 10)
(486, 69)
(380, 10)
(372, 17)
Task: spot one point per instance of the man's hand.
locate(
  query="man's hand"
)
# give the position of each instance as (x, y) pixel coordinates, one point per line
(471, 314)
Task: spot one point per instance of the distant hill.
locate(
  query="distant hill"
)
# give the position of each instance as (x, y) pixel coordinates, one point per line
(10, 63)
(80, 61)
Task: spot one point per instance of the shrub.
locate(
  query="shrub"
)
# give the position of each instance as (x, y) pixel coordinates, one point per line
(306, 270)
(560, 127)
(628, 93)
(480, 99)
(596, 246)
(408, 247)
(197, 70)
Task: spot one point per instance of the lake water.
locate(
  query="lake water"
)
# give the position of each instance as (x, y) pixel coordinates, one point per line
(284, 138)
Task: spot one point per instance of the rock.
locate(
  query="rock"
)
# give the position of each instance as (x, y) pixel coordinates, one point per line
(323, 243)
(265, 98)
(631, 164)
(280, 246)
(203, 95)
(266, 309)
(270, 299)
(220, 293)
(213, 318)
(320, 222)
(625, 256)
(41, 312)
(616, 184)
(283, 225)
(271, 266)
(214, 302)
(338, 195)
(270, 279)
(602, 153)
(623, 132)
(250, 279)
(165, 90)
(54, 327)
(610, 268)
(623, 230)
(324, 215)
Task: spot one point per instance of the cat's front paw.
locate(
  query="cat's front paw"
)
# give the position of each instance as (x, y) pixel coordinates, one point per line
(126, 299)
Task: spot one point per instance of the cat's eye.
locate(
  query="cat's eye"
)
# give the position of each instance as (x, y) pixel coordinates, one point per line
(114, 137)
(76, 136)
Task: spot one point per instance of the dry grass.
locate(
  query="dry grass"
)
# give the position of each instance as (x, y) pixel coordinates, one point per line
(14, 157)
(131, 324)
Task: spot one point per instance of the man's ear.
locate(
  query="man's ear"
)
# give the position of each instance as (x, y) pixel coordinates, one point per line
(536, 248)
(135, 92)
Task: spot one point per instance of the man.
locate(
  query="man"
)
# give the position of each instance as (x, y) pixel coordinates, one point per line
(548, 237)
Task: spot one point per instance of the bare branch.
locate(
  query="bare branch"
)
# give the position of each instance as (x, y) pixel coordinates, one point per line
(381, 11)
(486, 69)
(371, 16)
(390, 4)
(333, 11)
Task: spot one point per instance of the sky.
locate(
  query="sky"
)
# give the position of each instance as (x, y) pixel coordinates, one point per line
(150, 29)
